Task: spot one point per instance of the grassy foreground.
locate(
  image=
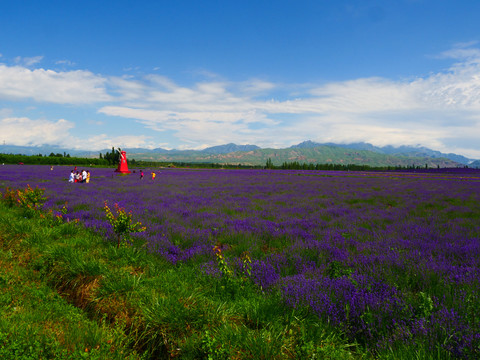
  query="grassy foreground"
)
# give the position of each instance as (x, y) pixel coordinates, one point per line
(66, 293)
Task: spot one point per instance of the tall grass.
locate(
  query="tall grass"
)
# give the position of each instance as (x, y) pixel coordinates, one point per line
(364, 265)
(93, 298)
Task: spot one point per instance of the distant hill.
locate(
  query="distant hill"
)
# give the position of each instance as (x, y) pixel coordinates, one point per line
(316, 155)
(305, 152)
(415, 151)
(475, 164)
(229, 148)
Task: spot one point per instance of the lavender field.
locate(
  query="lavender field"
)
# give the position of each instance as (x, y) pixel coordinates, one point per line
(390, 259)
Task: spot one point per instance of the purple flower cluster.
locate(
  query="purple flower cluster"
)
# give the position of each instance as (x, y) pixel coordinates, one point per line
(362, 306)
(391, 258)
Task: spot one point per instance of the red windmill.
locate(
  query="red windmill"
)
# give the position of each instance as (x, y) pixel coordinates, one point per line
(122, 163)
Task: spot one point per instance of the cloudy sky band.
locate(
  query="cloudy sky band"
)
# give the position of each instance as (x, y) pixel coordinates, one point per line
(438, 110)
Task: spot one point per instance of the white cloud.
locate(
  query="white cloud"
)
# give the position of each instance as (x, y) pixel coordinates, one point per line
(215, 127)
(256, 87)
(24, 131)
(462, 51)
(28, 61)
(425, 110)
(378, 110)
(65, 62)
(103, 141)
(72, 87)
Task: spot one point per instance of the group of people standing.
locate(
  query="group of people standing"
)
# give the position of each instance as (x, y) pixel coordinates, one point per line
(84, 176)
(79, 176)
(142, 175)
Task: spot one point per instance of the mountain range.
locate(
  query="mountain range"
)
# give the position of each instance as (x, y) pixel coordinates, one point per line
(306, 152)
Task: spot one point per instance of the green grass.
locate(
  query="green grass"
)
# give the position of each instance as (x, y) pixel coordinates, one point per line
(67, 293)
(37, 323)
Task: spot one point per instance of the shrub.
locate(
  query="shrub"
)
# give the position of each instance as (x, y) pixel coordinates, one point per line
(122, 222)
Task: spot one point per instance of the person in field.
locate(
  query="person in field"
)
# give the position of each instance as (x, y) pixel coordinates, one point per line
(88, 177)
(84, 176)
(153, 175)
(71, 179)
(141, 174)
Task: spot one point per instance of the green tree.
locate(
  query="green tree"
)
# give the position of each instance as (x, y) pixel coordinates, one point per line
(269, 164)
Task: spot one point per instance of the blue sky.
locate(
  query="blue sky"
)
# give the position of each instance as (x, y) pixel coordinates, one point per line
(191, 74)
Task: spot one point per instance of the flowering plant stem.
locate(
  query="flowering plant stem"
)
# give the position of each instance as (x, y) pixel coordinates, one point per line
(122, 222)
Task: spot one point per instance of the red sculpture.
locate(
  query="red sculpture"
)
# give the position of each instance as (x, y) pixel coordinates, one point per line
(122, 163)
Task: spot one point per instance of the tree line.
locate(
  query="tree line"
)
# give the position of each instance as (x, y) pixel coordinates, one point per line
(107, 159)
(49, 160)
(295, 165)
(111, 158)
